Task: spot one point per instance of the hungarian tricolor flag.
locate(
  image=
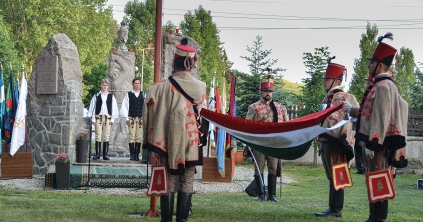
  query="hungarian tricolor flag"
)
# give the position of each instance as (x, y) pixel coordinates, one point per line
(287, 140)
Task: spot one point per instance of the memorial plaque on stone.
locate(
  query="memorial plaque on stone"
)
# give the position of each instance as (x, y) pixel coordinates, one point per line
(47, 82)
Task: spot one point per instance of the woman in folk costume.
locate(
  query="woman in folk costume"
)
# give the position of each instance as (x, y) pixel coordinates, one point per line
(172, 128)
(336, 145)
(103, 112)
(382, 121)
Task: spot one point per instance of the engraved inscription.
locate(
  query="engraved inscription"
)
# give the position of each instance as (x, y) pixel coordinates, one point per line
(47, 75)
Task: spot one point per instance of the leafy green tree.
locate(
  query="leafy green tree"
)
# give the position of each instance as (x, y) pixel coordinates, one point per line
(367, 46)
(8, 53)
(141, 21)
(405, 75)
(248, 91)
(87, 23)
(199, 25)
(416, 86)
(313, 90)
(92, 82)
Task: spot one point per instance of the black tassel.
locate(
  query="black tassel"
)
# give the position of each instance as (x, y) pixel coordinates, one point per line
(184, 41)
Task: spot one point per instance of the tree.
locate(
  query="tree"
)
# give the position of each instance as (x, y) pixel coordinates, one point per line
(259, 61)
(87, 23)
(405, 75)
(248, 91)
(141, 21)
(199, 25)
(416, 98)
(313, 91)
(8, 53)
(93, 81)
(367, 46)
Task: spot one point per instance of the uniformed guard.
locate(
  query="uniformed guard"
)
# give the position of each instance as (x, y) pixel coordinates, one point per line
(131, 110)
(266, 110)
(381, 121)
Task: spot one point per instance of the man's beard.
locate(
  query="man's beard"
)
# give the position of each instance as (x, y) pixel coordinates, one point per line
(267, 98)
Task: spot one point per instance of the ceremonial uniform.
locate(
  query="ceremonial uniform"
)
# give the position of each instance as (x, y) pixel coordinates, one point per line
(266, 111)
(336, 146)
(131, 110)
(105, 108)
(172, 129)
(382, 121)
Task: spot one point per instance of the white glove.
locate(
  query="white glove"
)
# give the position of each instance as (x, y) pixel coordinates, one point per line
(347, 107)
(370, 154)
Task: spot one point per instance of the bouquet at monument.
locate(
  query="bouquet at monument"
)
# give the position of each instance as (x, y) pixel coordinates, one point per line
(83, 136)
(62, 158)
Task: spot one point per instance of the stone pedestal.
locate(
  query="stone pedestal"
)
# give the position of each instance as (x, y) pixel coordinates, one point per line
(121, 73)
(55, 119)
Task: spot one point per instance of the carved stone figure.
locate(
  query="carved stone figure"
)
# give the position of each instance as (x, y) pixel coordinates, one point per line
(123, 37)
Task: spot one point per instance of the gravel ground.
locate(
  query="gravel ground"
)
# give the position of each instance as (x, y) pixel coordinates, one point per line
(243, 177)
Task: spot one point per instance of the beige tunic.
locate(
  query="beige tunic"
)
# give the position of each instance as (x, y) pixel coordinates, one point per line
(383, 117)
(171, 121)
(344, 135)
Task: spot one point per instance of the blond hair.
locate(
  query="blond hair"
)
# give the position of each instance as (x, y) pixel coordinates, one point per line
(105, 81)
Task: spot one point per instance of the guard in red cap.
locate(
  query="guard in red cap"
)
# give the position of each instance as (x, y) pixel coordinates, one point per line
(381, 124)
(266, 110)
(335, 146)
(171, 129)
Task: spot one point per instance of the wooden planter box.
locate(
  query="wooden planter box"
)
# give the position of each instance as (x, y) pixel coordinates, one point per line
(211, 172)
(17, 166)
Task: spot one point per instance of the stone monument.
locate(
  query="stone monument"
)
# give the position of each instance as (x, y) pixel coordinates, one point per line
(169, 44)
(54, 104)
(121, 73)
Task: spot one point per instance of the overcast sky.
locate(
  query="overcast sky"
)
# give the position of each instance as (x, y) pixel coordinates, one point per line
(291, 28)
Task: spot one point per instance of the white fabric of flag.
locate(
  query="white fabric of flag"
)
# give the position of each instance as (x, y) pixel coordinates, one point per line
(212, 107)
(18, 133)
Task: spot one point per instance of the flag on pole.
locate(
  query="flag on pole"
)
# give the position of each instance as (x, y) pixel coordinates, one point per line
(18, 134)
(216, 93)
(220, 151)
(9, 112)
(212, 107)
(16, 94)
(230, 140)
(1, 107)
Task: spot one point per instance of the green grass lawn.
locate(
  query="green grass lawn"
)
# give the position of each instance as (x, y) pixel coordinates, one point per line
(299, 201)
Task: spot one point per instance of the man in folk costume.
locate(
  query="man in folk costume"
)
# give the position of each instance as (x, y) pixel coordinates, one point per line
(172, 128)
(336, 145)
(382, 120)
(266, 110)
(103, 112)
(131, 110)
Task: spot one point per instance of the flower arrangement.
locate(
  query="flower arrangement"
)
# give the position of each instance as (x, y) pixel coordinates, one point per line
(62, 158)
(83, 136)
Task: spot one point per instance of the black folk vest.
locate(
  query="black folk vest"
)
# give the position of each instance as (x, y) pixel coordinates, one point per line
(99, 102)
(136, 104)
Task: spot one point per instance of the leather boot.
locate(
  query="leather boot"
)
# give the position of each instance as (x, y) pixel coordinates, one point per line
(105, 150)
(132, 151)
(260, 188)
(271, 187)
(166, 207)
(97, 150)
(336, 203)
(380, 211)
(371, 209)
(137, 151)
(182, 206)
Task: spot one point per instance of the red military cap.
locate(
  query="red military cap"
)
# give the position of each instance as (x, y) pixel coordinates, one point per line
(334, 70)
(184, 49)
(384, 53)
(267, 82)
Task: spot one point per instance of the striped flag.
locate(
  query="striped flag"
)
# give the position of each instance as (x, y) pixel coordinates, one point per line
(212, 107)
(230, 140)
(1, 107)
(18, 135)
(287, 140)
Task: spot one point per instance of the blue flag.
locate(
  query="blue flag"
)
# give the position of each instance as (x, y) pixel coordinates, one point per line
(9, 111)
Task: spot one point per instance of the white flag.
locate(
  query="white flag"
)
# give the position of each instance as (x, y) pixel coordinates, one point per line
(18, 133)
